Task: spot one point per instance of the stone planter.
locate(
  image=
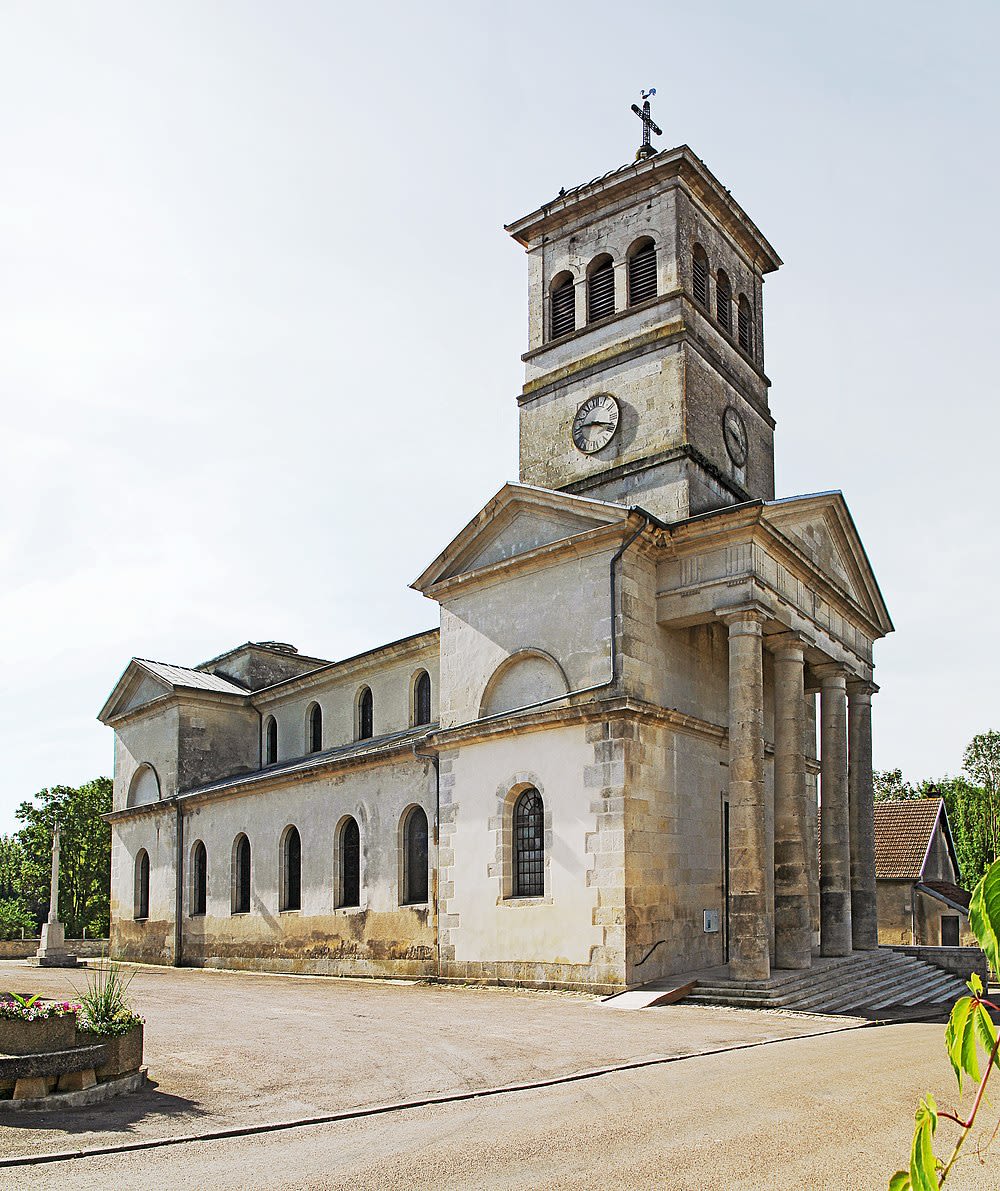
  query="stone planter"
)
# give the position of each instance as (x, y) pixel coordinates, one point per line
(123, 1051)
(37, 1037)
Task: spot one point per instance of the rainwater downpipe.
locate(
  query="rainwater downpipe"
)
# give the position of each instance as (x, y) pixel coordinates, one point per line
(647, 519)
(179, 890)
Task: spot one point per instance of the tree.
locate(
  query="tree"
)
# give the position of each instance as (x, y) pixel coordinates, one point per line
(967, 817)
(11, 863)
(15, 919)
(982, 763)
(889, 786)
(85, 855)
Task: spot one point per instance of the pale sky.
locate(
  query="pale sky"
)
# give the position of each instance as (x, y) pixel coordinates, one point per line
(260, 324)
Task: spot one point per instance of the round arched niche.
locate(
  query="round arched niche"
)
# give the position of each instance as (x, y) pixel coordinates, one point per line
(526, 677)
(144, 787)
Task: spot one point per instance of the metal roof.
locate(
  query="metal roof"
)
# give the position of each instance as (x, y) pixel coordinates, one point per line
(197, 680)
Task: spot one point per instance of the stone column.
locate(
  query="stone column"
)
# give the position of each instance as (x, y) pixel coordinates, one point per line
(792, 919)
(864, 908)
(835, 845)
(749, 957)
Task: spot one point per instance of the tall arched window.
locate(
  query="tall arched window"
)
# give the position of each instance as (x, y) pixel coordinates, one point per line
(600, 288)
(699, 275)
(641, 271)
(415, 856)
(349, 893)
(314, 728)
(366, 714)
(141, 889)
(422, 698)
(744, 325)
(241, 875)
(724, 301)
(291, 870)
(270, 740)
(199, 879)
(562, 306)
(529, 845)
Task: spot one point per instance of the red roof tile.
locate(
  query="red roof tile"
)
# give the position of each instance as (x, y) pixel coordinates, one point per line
(903, 832)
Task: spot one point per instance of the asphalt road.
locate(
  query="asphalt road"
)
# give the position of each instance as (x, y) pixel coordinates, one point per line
(793, 1108)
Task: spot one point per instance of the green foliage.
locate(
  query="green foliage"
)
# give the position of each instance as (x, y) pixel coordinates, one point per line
(982, 763)
(85, 855)
(15, 917)
(105, 1005)
(984, 916)
(11, 863)
(889, 786)
(24, 1002)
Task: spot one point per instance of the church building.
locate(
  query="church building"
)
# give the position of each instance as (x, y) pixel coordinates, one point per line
(604, 766)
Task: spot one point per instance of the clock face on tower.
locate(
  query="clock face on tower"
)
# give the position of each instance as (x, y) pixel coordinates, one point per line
(734, 434)
(595, 423)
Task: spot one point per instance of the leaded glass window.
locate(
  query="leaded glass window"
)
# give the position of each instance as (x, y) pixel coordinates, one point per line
(415, 857)
(350, 864)
(529, 845)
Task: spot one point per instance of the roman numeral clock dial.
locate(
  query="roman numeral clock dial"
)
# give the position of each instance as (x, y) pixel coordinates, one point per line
(595, 423)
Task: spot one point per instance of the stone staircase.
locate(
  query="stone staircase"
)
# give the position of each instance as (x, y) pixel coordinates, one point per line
(880, 983)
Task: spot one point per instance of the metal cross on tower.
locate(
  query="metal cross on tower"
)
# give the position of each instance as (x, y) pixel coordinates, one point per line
(646, 149)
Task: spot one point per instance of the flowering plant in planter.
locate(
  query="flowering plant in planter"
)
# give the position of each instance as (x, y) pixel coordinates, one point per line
(24, 1008)
(105, 1007)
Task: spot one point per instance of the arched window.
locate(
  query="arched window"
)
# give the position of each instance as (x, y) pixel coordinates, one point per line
(529, 845)
(366, 714)
(241, 875)
(642, 271)
(724, 301)
(422, 698)
(199, 879)
(350, 864)
(314, 728)
(270, 740)
(600, 288)
(291, 870)
(562, 306)
(744, 325)
(415, 857)
(141, 889)
(699, 276)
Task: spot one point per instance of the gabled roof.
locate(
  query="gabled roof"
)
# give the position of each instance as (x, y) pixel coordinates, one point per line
(904, 831)
(520, 519)
(947, 892)
(145, 680)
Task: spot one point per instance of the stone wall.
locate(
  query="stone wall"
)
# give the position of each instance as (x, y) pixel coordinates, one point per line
(25, 948)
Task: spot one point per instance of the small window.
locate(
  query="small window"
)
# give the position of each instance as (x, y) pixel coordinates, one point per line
(270, 740)
(642, 272)
(724, 302)
(415, 857)
(744, 325)
(562, 306)
(600, 289)
(350, 864)
(700, 276)
(529, 845)
(141, 891)
(314, 728)
(199, 880)
(291, 870)
(422, 698)
(241, 875)
(366, 714)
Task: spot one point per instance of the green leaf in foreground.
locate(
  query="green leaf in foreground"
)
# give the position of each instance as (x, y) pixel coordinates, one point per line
(900, 1181)
(975, 984)
(923, 1164)
(984, 916)
(960, 1040)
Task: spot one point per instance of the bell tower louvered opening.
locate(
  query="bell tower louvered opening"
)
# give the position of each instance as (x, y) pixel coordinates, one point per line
(744, 325)
(700, 276)
(600, 289)
(642, 273)
(562, 319)
(724, 302)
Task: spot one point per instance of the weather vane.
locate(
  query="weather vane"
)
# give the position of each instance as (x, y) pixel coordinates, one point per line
(646, 149)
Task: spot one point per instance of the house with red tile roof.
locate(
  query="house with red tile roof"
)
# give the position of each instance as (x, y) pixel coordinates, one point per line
(920, 902)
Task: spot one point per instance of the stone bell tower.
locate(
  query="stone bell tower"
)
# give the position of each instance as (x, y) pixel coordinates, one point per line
(644, 375)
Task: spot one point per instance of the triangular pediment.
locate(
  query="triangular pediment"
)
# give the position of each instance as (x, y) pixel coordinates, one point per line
(822, 530)
(518, 521)
(134, 689)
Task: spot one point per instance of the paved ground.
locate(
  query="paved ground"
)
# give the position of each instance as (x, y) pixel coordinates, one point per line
(810, 1103)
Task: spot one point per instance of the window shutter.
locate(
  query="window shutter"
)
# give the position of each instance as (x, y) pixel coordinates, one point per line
(601, 292)
(701, 279)
(745, 327)
(724, 303)
(642, 275)
(563, 317)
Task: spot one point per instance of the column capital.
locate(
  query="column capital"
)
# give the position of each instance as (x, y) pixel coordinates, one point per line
(751, 615)
(860, 690)
(794, 643)
(831, 674)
